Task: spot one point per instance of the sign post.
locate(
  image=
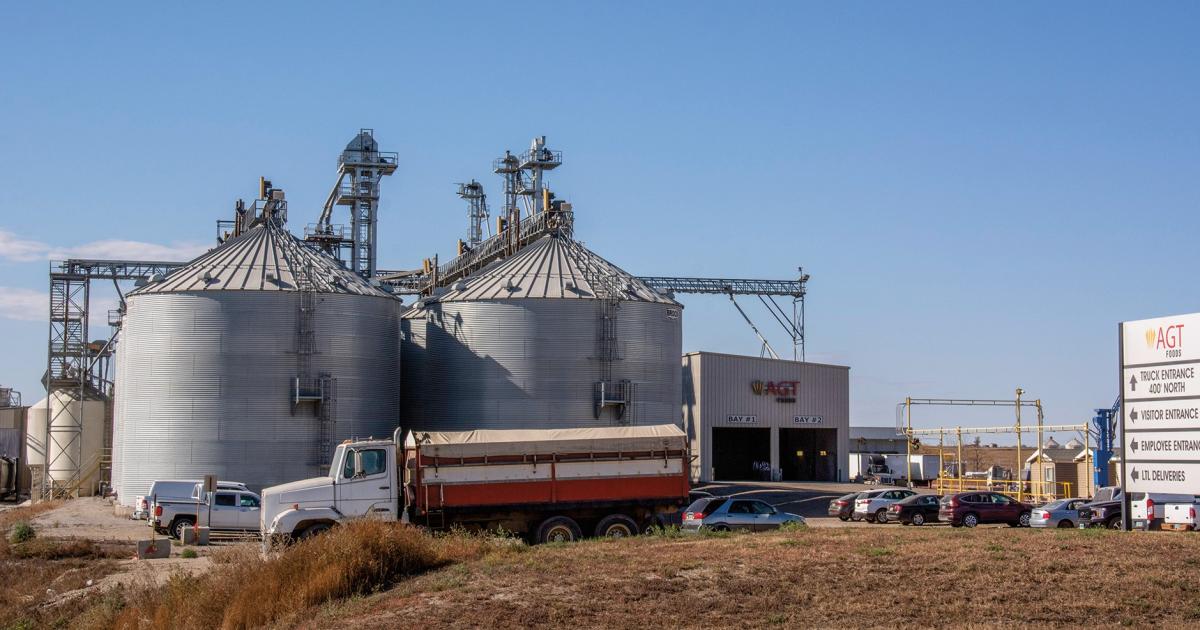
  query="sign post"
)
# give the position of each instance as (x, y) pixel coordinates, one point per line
(1160, 406)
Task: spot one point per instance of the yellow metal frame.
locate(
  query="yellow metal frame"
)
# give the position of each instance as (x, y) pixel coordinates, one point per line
(1038, 490)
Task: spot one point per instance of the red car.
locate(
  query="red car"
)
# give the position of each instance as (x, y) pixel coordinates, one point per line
(976, 508)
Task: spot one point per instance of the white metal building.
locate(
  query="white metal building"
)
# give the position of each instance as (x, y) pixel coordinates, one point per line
(750, 418)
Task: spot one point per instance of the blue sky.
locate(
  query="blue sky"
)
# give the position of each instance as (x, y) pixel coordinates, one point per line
(980, 192)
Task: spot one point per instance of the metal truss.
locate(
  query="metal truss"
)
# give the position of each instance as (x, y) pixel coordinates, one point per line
(72, 363)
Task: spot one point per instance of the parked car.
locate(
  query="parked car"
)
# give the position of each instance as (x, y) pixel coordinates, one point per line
(874, 507)
(730, 514)
(867, 494)
(231, 512)
(1182, 516)
(915, 510)
(977, 508)
(1148, 509)
(1104, 510)
(1060, 513)
(843, 506)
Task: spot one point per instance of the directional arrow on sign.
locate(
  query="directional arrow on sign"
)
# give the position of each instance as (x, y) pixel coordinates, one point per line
(1133, 383)
(1133, 415)
(1133, 446)
(1134, 474)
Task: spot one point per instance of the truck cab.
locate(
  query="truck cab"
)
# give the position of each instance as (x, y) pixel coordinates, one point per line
(362, 480)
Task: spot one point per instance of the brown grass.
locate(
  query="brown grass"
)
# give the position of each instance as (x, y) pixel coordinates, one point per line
(883, 576)
(35, 573)
(246, 590)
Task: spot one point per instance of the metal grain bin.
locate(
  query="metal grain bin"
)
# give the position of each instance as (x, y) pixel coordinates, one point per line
(413, 357)
(250, 363)
(554, 336)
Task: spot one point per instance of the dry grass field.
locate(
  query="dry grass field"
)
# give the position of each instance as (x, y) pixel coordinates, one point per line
(381, 575)
(887, 576)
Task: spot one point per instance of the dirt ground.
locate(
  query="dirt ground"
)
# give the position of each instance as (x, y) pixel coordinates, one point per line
(100, 554)
(91, 518)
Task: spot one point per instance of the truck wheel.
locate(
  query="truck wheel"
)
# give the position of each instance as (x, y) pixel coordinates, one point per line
(179, 525)
(558, 529)
(1113, 523)
(843, 518)
(313, 530)
(616, 526)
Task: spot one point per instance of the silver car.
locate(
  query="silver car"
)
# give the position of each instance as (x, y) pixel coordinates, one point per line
(722, 514)
(1060, 513)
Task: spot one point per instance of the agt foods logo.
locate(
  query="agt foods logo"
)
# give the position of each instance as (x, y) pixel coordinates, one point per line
(1169, 338)
(783, 391)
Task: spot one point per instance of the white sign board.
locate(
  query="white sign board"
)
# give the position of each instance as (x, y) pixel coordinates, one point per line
(1160, 404)
(741, 419)
(1162, 381)
(1164, 445)
(1161, 340)
(1163, 414)
(1170, 477)
(807, 420)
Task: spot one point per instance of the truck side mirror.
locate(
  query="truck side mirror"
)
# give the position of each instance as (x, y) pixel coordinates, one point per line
(358, 464)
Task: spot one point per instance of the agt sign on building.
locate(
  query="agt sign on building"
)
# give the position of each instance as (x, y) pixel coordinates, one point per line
(1160, 404)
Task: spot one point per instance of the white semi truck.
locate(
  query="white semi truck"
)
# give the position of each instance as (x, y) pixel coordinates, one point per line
(550, 485)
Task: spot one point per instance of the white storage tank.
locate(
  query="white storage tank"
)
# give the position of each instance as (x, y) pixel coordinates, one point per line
(76, 441)
(250, 363)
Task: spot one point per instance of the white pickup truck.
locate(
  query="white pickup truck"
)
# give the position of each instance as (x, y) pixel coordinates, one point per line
(1149, 509)
(234, 511)
(1182, 516)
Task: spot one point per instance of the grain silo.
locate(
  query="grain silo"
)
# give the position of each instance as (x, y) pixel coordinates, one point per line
(72, 433)
(250, 362)
(413, 357)
(553, 336)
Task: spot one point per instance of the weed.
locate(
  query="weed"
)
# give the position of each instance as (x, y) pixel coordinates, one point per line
(248, 590)
(21, 532)
(189, 553)
(877, 552)
(792, 526)
(664, 531)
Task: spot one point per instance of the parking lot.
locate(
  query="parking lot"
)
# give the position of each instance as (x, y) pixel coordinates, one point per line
(808, 499)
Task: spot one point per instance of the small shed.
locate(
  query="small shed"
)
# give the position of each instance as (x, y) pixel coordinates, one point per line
(1083, 464)
(1057, 467)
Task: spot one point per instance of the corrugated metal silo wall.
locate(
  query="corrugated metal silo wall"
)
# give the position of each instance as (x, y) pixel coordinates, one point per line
(412, 357)
(530, 364)
(206, 381)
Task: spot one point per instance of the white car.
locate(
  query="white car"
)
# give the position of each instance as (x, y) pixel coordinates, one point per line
(873, 504)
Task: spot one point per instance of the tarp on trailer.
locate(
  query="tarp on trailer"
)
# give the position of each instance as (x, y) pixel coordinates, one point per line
(501, 442)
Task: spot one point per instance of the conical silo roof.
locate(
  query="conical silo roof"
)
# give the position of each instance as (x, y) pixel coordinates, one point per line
(265, 258)
(553, 267)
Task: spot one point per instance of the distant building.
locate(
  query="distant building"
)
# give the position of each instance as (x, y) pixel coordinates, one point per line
(878, 440)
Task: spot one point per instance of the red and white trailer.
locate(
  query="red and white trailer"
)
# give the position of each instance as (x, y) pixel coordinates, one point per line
(552, 484)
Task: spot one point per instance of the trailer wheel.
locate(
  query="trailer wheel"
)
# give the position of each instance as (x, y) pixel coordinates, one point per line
(559, 529)
(616, 526)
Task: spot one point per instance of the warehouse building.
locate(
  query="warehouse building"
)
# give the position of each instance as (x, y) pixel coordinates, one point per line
(750, 418)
